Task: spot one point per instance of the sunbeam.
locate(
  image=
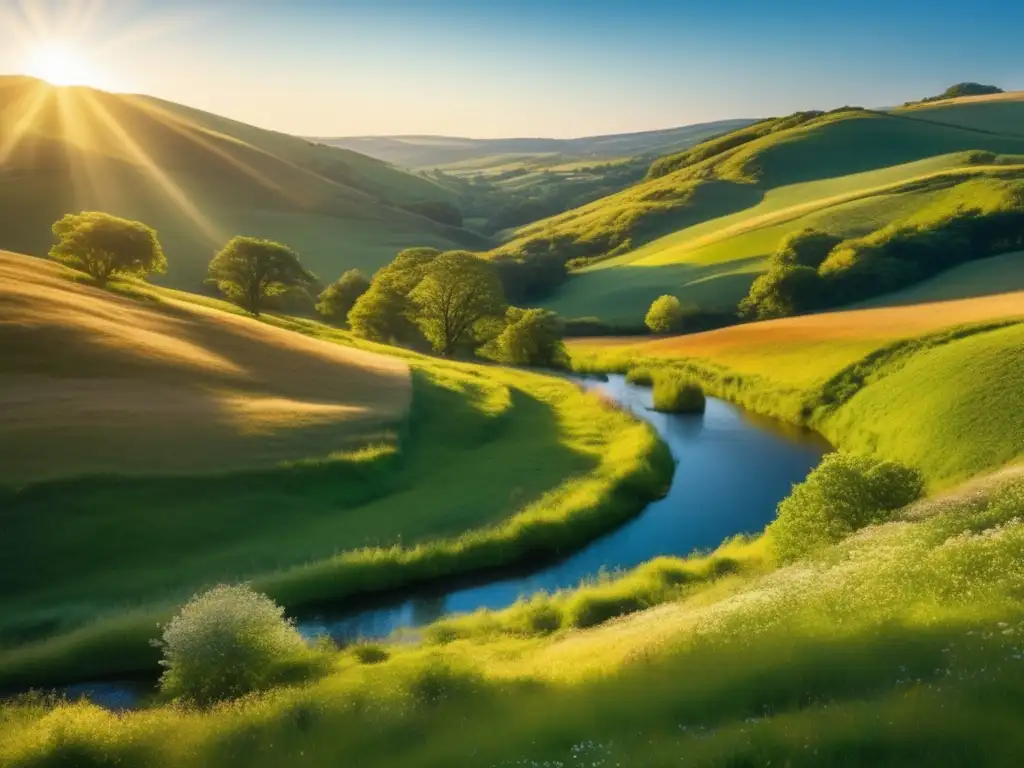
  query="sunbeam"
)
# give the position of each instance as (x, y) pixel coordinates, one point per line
(37, 101)
(190, 131)
(166, 183)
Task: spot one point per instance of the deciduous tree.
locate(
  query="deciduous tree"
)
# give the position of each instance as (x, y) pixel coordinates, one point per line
(457, 291)
(249, 270)
(102, 245)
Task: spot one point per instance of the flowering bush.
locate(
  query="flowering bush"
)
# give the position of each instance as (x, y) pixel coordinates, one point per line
(844, 494)
(228, 642)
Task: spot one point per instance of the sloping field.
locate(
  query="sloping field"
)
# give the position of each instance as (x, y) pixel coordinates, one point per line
(803, 351)
(199, 179)
(998, 112)
(92, 383)
(712, 264)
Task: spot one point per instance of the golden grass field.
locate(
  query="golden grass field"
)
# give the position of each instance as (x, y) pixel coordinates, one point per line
(93, 383)
(802, 351)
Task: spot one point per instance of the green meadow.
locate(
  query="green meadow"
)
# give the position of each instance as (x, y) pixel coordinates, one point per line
(900, 644)
(509, 465)
(163, 442)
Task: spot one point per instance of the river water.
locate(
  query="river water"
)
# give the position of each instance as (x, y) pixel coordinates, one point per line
(732, 469)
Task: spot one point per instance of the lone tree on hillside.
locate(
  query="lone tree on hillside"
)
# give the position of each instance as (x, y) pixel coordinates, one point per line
(457, 291)
(665, 315)
(341, 295)
(102, 245)
(248, 270)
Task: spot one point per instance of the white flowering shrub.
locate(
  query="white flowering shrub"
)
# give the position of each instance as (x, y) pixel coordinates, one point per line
(844, 494)
(228, 642)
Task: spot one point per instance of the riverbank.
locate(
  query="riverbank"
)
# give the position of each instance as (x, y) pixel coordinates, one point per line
(908, 400)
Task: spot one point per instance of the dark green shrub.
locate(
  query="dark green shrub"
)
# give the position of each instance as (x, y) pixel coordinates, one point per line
(783, 291)
(640, 376)
(673, 393)
(844, 494)
(806, 248)
(370, 653)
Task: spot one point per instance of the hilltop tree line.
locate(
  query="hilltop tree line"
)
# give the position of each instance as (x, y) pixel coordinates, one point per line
(452, 303)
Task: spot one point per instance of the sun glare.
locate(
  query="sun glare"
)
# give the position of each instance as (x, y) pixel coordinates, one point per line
(60, 64)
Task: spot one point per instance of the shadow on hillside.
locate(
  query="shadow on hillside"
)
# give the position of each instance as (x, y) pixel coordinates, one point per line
(624, 293)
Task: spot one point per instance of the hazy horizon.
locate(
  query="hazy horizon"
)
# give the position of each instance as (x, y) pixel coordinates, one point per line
(539, 70)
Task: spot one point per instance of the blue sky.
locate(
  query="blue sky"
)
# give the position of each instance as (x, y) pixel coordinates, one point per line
(533, 67)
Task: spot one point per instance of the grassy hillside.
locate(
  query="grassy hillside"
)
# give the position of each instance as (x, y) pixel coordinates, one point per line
(199, 179)
(899, 645)
(172, 389)
(933, 385)
(703, 227)
(159, 446)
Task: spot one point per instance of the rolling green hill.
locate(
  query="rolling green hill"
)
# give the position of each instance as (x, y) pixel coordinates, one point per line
(703, 222)
(199, 179)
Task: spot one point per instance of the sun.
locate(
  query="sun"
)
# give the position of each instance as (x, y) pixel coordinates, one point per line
(61, 64)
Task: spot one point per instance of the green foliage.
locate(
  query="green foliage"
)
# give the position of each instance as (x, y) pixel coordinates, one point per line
(675, 393)
(228, 642)
(457, 291)
(805, 248)
(339, 297)
(102, 246)
(370, 653)
(531, 337)
(384, 313)
(248, 271)
(843, 494)
(783, 291)
(665, 315)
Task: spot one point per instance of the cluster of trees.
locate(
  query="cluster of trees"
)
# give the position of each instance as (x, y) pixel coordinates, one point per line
(959, 90)
(452, 302)
(814, 270)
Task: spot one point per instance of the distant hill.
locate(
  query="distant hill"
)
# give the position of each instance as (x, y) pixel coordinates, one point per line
(199, 179)
(438, 151)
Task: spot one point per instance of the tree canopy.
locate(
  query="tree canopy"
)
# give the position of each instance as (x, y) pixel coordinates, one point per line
(457, 291)
(249, 270)
(531, 337)
(340, 296)
(102, 245)
(665, 314)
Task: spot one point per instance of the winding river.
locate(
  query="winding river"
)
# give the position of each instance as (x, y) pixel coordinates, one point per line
(732, 469)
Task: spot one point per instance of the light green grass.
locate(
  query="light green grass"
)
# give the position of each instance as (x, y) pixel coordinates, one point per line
(705, 231)
(898, 646)
(494, 466)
